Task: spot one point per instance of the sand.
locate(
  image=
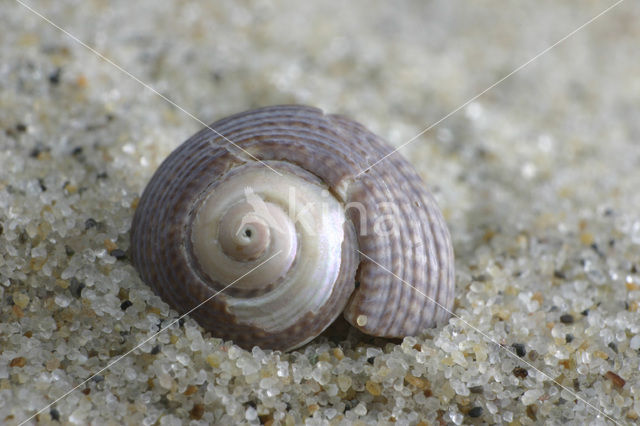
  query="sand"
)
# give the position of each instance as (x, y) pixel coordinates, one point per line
(537, 178)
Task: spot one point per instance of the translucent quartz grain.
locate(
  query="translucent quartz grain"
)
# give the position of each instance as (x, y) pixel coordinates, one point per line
(331, 413)
(344, 382)
(360, 409)
(456, 418)
(251, 414)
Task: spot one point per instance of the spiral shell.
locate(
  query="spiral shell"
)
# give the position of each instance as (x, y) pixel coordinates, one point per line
(269, 219)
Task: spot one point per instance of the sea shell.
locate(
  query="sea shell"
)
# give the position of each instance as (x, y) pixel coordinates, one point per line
(268, 214)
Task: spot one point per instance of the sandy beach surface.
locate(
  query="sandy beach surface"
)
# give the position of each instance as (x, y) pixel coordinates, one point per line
(538, 179)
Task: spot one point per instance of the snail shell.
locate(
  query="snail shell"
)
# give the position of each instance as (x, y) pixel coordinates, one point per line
(323, 238)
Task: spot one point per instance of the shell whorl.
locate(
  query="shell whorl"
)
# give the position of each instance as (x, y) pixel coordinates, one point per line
(385, 231)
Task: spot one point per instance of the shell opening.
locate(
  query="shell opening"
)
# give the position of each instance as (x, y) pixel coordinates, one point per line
(251, 215)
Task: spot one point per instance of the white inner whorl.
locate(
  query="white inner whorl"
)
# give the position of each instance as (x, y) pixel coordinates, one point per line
(289, 215)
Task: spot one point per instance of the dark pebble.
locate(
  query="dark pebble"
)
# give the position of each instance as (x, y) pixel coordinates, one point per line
(520, 372)
(124, 305)
(54, 77)
(616, 380)
(77, 151)
(476, 389)
(370, 360)
(75, 287)
(519, 348)
(475, 412)
(613, 347)
(118, 254)
(568, 338)
(55, 414)
(164, 401)
(559, 275)
(20, 127)
(98, 378)
(532, 411)
(155, 350)
(90, 223)
(69, 251)
(102, 175)
(1, 229)
(181, 322)
(584, 313)
(566, 319)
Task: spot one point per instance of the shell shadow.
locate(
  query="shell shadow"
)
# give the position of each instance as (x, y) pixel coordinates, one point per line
(341, 333)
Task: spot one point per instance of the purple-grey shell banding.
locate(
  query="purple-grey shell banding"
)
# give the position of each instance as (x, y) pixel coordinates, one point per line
(385, 232)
